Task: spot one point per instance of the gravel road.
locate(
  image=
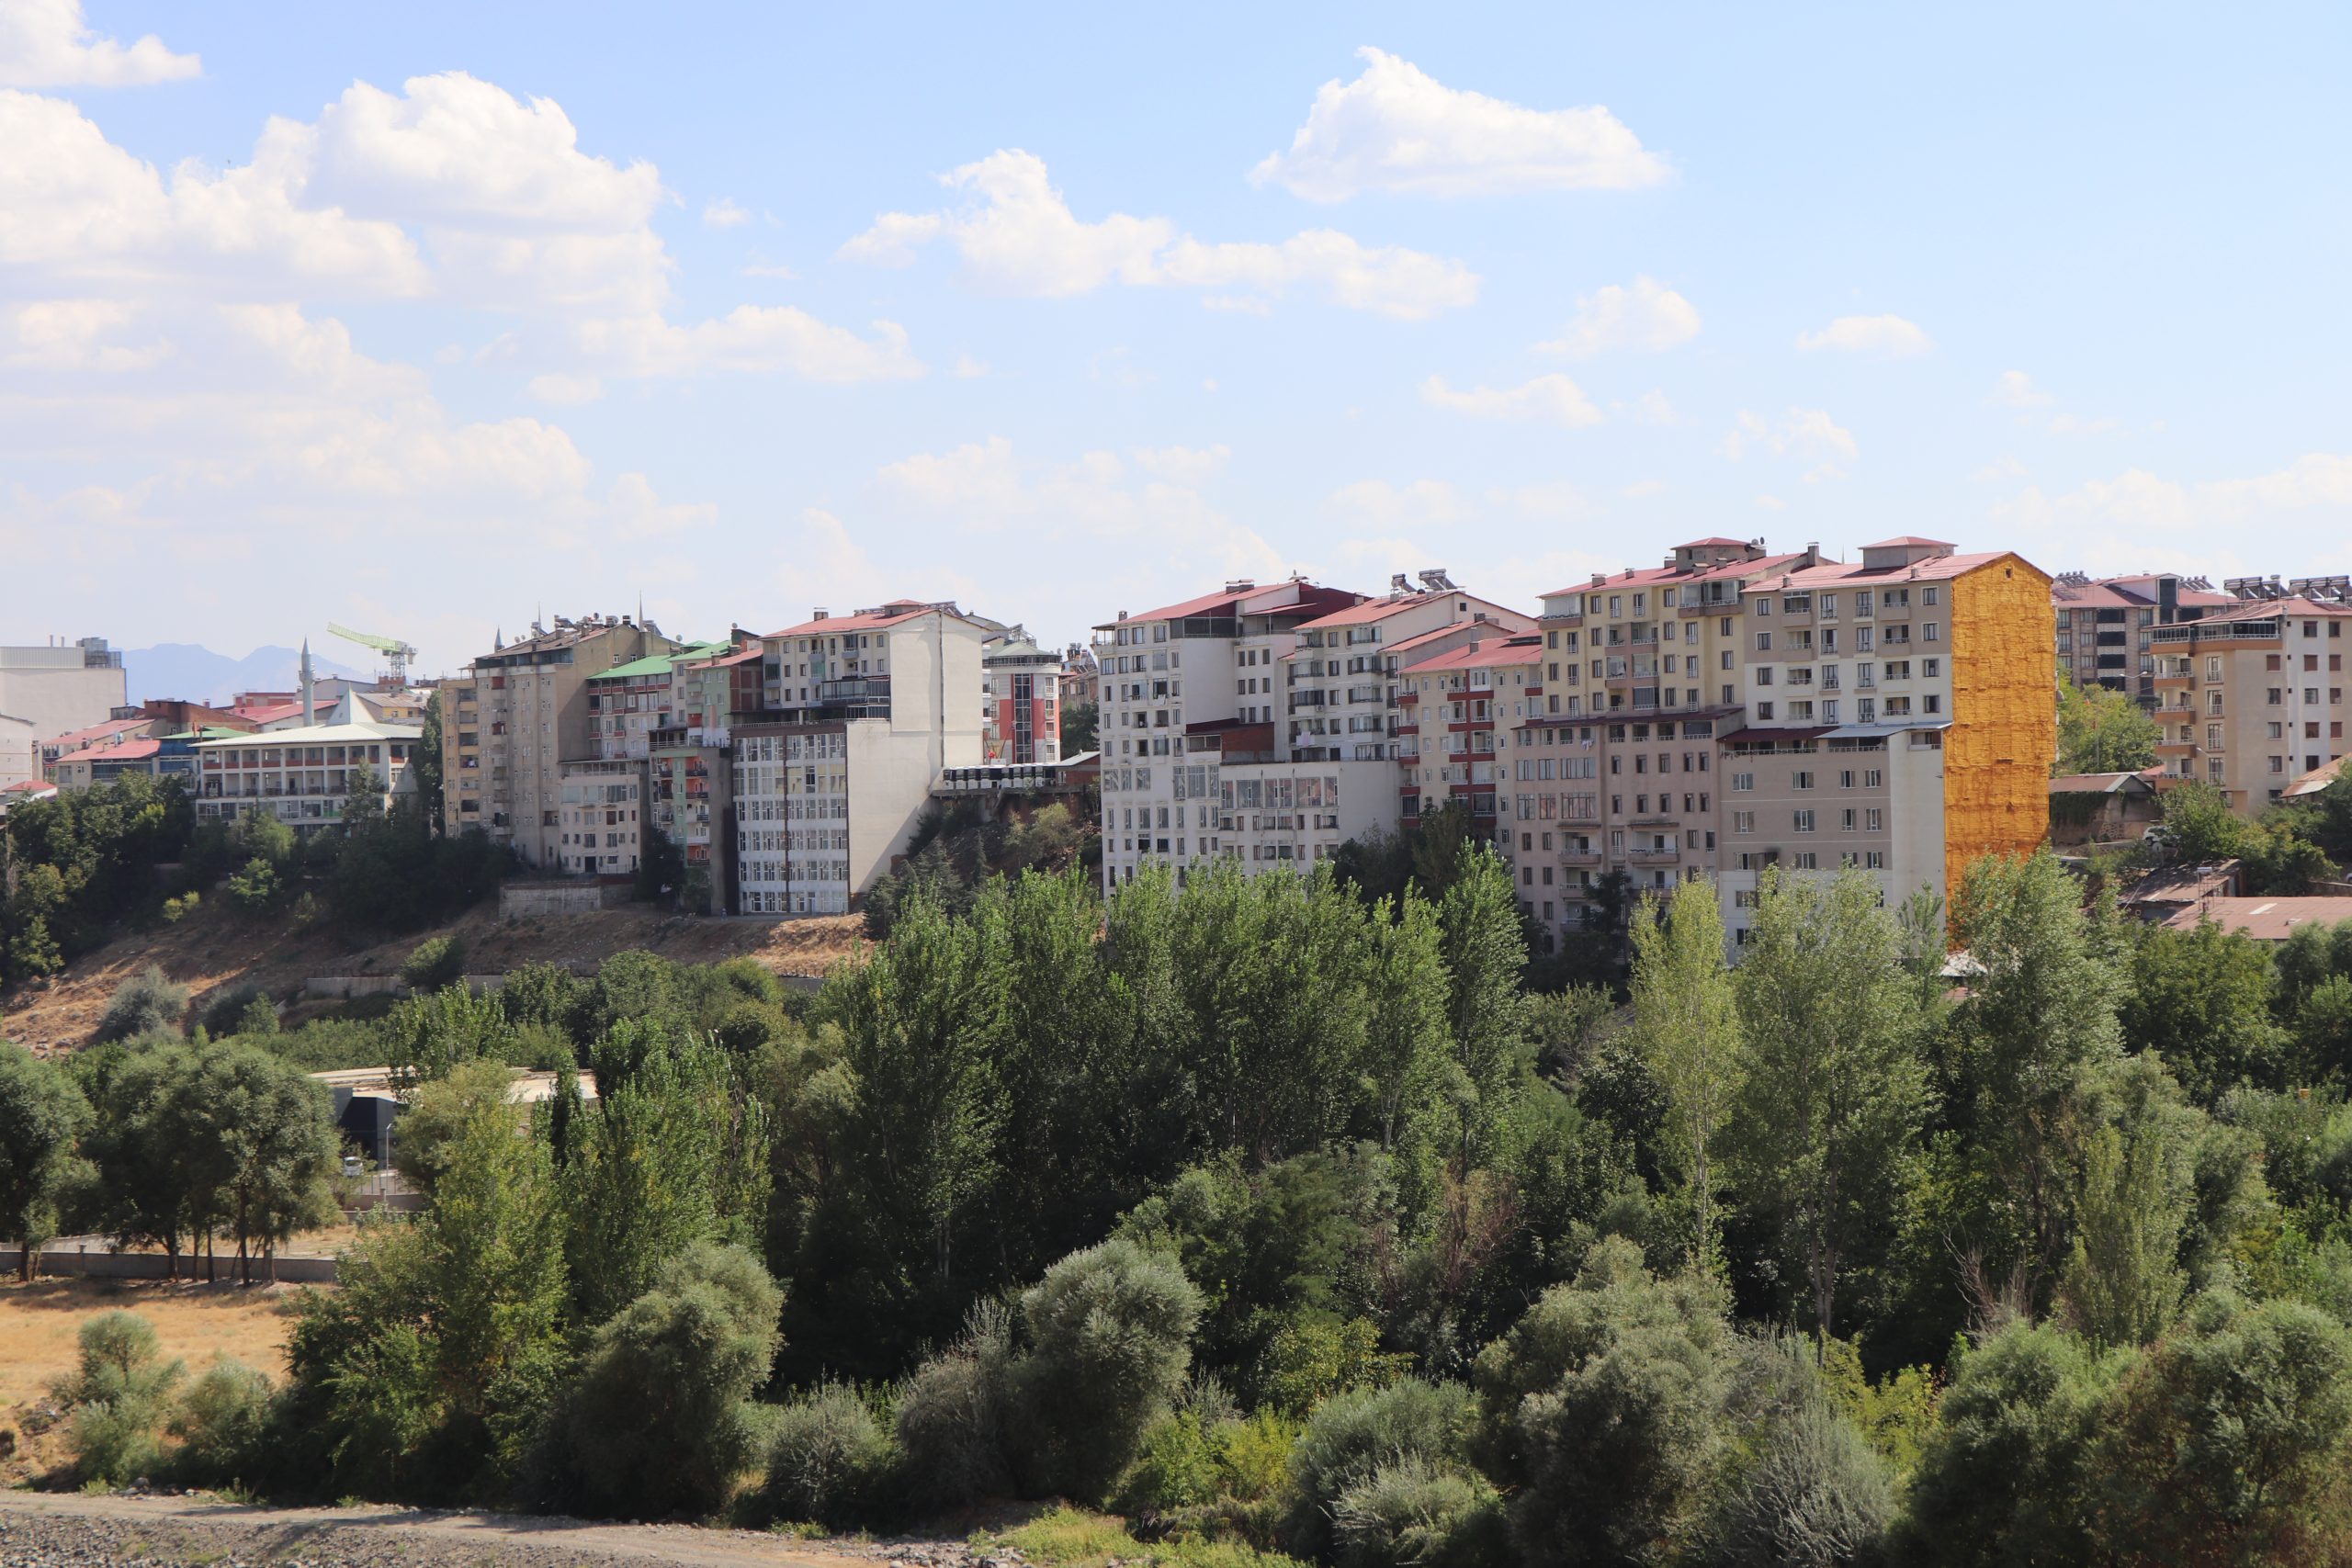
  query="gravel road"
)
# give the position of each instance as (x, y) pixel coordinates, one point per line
(39, 1529)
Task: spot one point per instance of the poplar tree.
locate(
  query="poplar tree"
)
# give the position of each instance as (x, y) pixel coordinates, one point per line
(1686, 1023)
(1832, 1083)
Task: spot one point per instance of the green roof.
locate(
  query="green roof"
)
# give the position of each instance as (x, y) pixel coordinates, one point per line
(658, 663)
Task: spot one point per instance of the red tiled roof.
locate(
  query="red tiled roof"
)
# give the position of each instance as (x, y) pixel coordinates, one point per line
(1453, 629)
(1626, 578)
(78, 739)
(890, 614)
(1905, 541)
(2268, 609)
(2264, 919)
(2093, 784)
(1484, 653)
(129, 751)
(271, 714)
(1717, 543)
(2132, 591)
(1311, 598)
(29, 786)
(1833, 574)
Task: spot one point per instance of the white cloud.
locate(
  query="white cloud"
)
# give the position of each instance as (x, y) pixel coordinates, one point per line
(1642, 489)
(557, 388)
(1016, 234)
(750, 338)
(1183, 465)
(74, 334)
(780, 274)
(1554, 398)
(1644, 315)
(1396, 130)
(968, 369)
(1653, 407)
(1999, 468)
(1377, 503)
(1890, 335)
(1771, 503)
(2076, 424)
(2308, 503)
(2016, 391)
(724, 214)
(43, 43)
(1807, 434)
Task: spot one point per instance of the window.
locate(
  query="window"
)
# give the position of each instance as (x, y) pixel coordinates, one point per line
(1803, 821)
(1743, 821)
(1763, 639)
(1742, 781)
(1802, 779)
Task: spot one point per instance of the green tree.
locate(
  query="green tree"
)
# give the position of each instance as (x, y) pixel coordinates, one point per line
(2103, 732)
(2008, 1476)
(1408, 1038)
(142, 1145)
(41, 1114)
(2226, 1444)
(1833, 1086)
(1484, 954)
(435, 963)
(2124, 1284)
(424, 767)
(150, 1002)
(428, 1368)
(1686, 1022)
(661, 1420)
(264, 1133)
(2198, 821)
(439, 1111)
(2039, 1024)
(1601, 1412)
(1079, 721)
(2201, 1001)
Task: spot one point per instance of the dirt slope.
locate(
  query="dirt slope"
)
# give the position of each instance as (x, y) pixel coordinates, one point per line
(217, 948)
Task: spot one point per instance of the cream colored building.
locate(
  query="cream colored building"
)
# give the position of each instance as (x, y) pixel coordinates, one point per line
(2253, 698)
(302, 776)
(510, 721)
(50, 691)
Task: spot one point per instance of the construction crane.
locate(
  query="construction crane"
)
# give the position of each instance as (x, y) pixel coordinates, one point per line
(396, 652)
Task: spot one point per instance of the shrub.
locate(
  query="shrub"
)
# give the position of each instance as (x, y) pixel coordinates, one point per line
(223, 1425)
(1601, 1411)
(118, 1393)
(150, 1002)
(660, 1421)
(176, 910)
(1810, 1491)
(951, 1418)
(1110, 1331)
(225, 1011)
(255, 886)
(1176, 1468)
(827, 1459)
(436, 962)
(1413, 1514)
(1353, 1434)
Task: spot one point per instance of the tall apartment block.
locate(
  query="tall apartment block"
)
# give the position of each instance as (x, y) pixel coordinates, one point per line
(2253, 696)
(864, 712)
(1021, 707)
(2107, 626)
(512, 718)
(1263, 722)
(51, 690)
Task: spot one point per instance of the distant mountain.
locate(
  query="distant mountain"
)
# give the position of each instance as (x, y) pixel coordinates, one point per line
(189, 670)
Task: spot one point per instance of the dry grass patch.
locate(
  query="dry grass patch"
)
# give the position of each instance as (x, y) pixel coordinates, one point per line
(196, 1322)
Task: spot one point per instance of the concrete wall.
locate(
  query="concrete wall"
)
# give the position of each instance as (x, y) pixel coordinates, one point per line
(55, 1263)
(516, 898)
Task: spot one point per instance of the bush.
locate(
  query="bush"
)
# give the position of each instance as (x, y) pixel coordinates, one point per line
(1176, 1468)
(1110, 1331)
(660, 1421)
(436, 962)
(827, 1459)
(223, 1425)
(230, 1011)
(951, 1418)
(1811, 1492)
(1351, 1435)
(150, 1002)
(1601, 1412)
(120, 1393)
(177, 909)
(256, 886)
(1413, 1514)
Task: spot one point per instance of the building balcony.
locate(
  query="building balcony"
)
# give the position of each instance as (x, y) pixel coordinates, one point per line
(1669, 855)
(2176, 747)
(1579, 857)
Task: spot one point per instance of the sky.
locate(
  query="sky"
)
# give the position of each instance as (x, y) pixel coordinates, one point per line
(432, 319)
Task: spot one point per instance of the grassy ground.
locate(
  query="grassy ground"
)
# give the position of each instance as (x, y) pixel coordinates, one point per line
(196, 1322)
(1073, 1538)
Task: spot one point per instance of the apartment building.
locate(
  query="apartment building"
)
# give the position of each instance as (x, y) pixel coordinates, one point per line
(2252, 697)
(1020, 718)
(1897, 717)
(865, 713)
(302, 776)
(2105, 626)
(511, 720)
(689, 764)
(51, 691)
(1610, 747)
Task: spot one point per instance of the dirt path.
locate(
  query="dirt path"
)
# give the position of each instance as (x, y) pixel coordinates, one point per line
(46, 1528)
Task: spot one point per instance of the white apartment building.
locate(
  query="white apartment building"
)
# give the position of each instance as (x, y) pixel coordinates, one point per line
(600, 823)
(302, 776)
(869, 710)
(51, 691)
(1284, 747)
